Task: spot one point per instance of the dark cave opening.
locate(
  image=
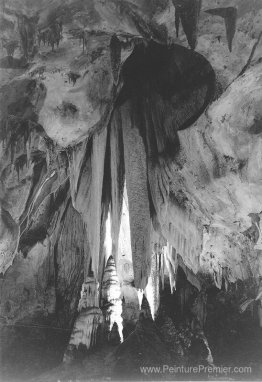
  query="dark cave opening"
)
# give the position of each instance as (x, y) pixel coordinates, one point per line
(168, 89)
(175, 73)
(234, 338)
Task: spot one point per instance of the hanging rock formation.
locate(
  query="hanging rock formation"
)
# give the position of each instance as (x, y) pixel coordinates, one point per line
(230, 16)
(127, 161)
(138, 199)
(188, 12)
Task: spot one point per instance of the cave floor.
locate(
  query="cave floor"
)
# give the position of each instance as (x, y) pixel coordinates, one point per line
(40, 359)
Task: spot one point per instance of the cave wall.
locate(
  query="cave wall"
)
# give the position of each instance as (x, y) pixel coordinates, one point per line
(101, 156)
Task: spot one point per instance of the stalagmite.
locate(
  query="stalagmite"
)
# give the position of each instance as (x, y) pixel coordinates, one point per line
(111, 298)
(88, 320)
(117, 179)
(138, 197)
(145, 309)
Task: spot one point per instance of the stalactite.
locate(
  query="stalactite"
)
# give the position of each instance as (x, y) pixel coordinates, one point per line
(117, 179)
(87, 191)
(191, 277)
(43, 192)
(140, 295)
(88, 320)
(93, 218)
(124, 244)
(115, 54)
(105, 224)
(177, 22)
(108, 238)
(152, 291)
(162, 268)
(229, 14)
(138, 197)
(182, 233)
(189, 14)
(171, 262)
(76, 156)
(111, 298)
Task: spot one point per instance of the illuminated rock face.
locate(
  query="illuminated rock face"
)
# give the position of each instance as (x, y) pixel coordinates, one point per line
(111, 298)
(130, 105)
(88, 320)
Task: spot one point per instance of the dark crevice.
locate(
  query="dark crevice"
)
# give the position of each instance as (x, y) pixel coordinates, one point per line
(174, 73)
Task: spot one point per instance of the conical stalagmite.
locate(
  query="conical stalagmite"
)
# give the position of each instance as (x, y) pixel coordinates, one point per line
(145, 309)
(138, 197)
(111, 298)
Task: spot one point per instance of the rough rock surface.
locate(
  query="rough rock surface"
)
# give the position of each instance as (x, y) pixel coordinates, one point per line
(164, 97)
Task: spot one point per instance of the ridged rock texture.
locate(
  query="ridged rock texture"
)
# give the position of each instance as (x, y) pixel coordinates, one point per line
(130, 151)
(111, 298)
(88, 320)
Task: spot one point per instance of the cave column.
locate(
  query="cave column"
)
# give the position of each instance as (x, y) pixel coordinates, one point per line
(90, 315)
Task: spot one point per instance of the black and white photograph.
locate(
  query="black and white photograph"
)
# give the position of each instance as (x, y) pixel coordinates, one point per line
(130, 190)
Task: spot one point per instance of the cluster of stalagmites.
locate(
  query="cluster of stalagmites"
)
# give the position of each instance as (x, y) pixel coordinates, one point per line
(91, 317)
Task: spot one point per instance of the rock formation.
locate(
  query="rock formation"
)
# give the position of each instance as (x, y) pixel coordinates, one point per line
(111, 298)
(130, 171)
